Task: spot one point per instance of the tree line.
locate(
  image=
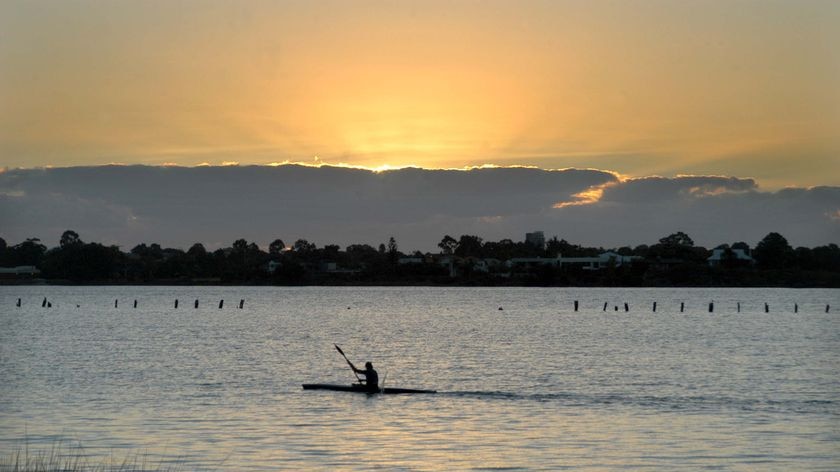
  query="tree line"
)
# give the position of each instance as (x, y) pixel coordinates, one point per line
(468, 260)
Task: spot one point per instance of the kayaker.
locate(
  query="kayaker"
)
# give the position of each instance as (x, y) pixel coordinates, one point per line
(371, 377)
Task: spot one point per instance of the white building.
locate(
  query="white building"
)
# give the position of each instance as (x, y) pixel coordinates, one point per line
(598, 262)
(19, 271)
(536, 239)
(719, 255)
(587, 263)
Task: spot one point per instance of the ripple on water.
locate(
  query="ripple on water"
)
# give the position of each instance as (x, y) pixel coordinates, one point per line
(536, 386)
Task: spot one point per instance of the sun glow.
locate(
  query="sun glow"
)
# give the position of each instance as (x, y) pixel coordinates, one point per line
(445, 85)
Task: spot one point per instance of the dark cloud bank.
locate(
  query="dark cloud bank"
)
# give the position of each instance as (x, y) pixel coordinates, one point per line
(177, 206)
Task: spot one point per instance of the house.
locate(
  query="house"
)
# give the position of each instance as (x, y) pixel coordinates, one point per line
(481, 265)
(328, 266)
(411, 260)
(450, 262)
(484, 265)
(720, 255)
(531, 262)
(19, 272)
(331, 267)
(600, 261)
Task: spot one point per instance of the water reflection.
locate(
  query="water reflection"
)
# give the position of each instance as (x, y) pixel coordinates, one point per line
(534, 386)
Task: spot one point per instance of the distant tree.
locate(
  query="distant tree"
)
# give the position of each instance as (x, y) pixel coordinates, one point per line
(96, 262)
(469, 246)
(562, 247)
(827, 258)
(331, 251)
(360, 249)
(197, 250)
(742, 246)
(240, 245)
(155, 251)
(805, 258)
(393, 252)
(553, 247)
(69, 238)
(276, 247)
(678, 246)
(773, 252)
(303, 246)
(361, 255)
(448, 244)
(28, 252)
(677, 239)
(502, 250)
(382, 248)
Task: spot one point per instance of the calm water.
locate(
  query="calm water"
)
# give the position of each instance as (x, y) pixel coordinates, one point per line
(532, 386)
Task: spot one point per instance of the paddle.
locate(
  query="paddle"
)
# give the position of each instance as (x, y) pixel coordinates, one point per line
(348, 362)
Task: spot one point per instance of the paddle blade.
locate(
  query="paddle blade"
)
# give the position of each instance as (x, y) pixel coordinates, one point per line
(339, 349)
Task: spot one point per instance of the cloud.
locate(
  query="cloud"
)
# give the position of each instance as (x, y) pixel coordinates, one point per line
(215, 205)
(712, 210)
(658, 189)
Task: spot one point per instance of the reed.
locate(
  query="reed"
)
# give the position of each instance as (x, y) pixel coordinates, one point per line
(66, 457)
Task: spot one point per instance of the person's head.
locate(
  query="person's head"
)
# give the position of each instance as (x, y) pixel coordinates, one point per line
(368, 365)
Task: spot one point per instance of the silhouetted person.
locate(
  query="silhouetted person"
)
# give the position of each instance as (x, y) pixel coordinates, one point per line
(371, 377)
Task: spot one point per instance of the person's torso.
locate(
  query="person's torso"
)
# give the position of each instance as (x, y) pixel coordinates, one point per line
(372, 377)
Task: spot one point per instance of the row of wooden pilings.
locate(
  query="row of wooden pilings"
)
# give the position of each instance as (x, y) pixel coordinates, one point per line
(48, 304)
(711, 307)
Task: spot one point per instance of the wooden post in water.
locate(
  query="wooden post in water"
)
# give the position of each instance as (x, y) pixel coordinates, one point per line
(44, 303)
(739, 307)
(116, 303)
(827, 308)
(654, 307)
(576, 305)
(766, 308)
(241, 303)
(221, 303)
(135, 303)
(626, 307)
(605, 306)
(176, 303)
(796, 308)
(18, 303)
(682, 307)
(49, 304)
(196, 303)
(711, 307)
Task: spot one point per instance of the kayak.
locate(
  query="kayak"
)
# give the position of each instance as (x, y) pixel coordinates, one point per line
(362, 389)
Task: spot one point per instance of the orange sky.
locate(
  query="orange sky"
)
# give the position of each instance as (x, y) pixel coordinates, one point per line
(734, 88)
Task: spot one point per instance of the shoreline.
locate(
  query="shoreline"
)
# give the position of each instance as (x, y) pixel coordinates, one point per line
(67, 283)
